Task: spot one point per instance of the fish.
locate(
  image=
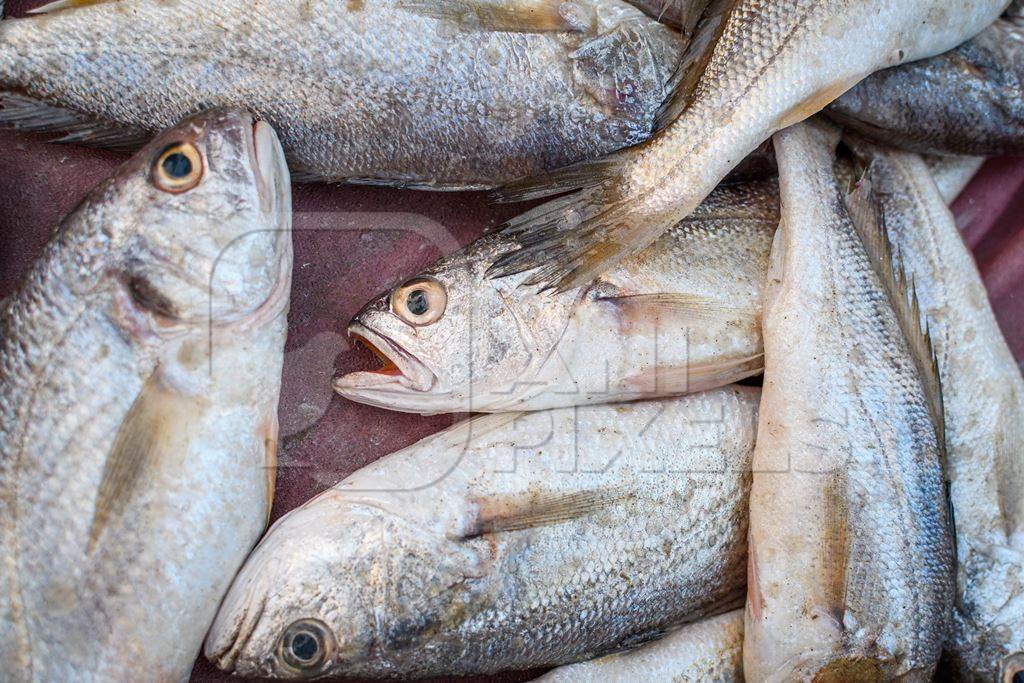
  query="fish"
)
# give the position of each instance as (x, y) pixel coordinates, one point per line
(140, 367)
(707, 651)
(952, 174)
(850, 561)
(983, 396)
(967, 101)
(682, 316)
(509, 541)
(429, 94)
(765, 65)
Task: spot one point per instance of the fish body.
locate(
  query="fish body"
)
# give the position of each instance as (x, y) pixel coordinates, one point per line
(707, 651)
(509, 541)
(969, 100)
(983, 395)
(357, 91)
(850, 554)
(771, 64)
(140, 366)
(680, 317)
(953, 173)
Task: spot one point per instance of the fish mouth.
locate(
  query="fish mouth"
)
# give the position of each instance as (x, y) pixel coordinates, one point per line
(400, 370)
(269, 166)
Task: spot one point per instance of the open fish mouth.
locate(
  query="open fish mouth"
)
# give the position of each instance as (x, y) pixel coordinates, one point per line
(400, 369)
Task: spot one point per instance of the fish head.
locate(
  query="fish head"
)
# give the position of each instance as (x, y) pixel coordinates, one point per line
(201, 220)
(346, 588)
(453, 339)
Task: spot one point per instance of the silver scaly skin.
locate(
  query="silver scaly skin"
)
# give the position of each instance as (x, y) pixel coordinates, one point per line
(706, 651)
(967, 101)
(140, 367)
(851, 566)
(680, 317)
(360, 91)
(984, 406)
(509, 541)
(771, 64)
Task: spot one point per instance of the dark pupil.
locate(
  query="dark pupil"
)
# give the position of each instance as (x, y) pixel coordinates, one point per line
(177, 165)
(1018, 677)
(304, 646)
(417, 302)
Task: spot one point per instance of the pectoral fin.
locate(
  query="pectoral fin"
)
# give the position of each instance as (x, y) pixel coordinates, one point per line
(514, 512)
(24, 113)
(152, 426)
(522, 16)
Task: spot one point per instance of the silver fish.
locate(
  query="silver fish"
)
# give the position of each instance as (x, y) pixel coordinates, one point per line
(851, 567)
(707, 651)
(983, 394)
(140, 366)
(682, 316)
(508, 541)
(394, 92)
(770, 64)
(969, 100)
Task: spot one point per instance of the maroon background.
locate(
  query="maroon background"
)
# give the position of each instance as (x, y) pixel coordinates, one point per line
(351, 244)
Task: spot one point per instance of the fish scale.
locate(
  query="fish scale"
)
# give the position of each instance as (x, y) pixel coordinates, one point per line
(133, 464)
(984, 398)
(773, 64)
(583, 559)
(679, 317)
(361, 93)
(851, 564)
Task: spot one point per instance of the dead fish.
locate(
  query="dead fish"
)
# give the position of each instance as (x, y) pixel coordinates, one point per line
(680, 317)
(851, 567)
(140, 366)
(953, 173)
(707, 651)
(983, 395)
(769, 64)
(967, 101)
(394, 92)
(509, 541)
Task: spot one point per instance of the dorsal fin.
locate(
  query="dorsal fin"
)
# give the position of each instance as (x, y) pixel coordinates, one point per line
(693, 62)
(868, 218)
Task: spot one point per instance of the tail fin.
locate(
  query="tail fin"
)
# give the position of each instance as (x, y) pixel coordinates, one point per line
(572, 240)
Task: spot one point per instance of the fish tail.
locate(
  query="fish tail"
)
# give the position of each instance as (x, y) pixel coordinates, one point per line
(570, 241)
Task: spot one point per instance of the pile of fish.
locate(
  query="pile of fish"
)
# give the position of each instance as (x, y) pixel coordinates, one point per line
(744, 191)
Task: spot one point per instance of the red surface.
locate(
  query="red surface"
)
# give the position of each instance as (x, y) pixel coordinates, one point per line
(352, 243)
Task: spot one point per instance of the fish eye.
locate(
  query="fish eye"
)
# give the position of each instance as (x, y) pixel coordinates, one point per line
(1011, 669)
(420, 301)
(178, 168)
(304, 644)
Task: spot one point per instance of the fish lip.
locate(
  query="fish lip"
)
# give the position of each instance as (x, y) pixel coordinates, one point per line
(266, 166)
(411, 372)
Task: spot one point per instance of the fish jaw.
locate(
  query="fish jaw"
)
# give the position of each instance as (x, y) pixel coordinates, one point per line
(402, 374)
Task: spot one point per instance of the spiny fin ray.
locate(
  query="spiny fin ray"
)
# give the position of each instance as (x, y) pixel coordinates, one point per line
(865, 211)
(514, 512)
